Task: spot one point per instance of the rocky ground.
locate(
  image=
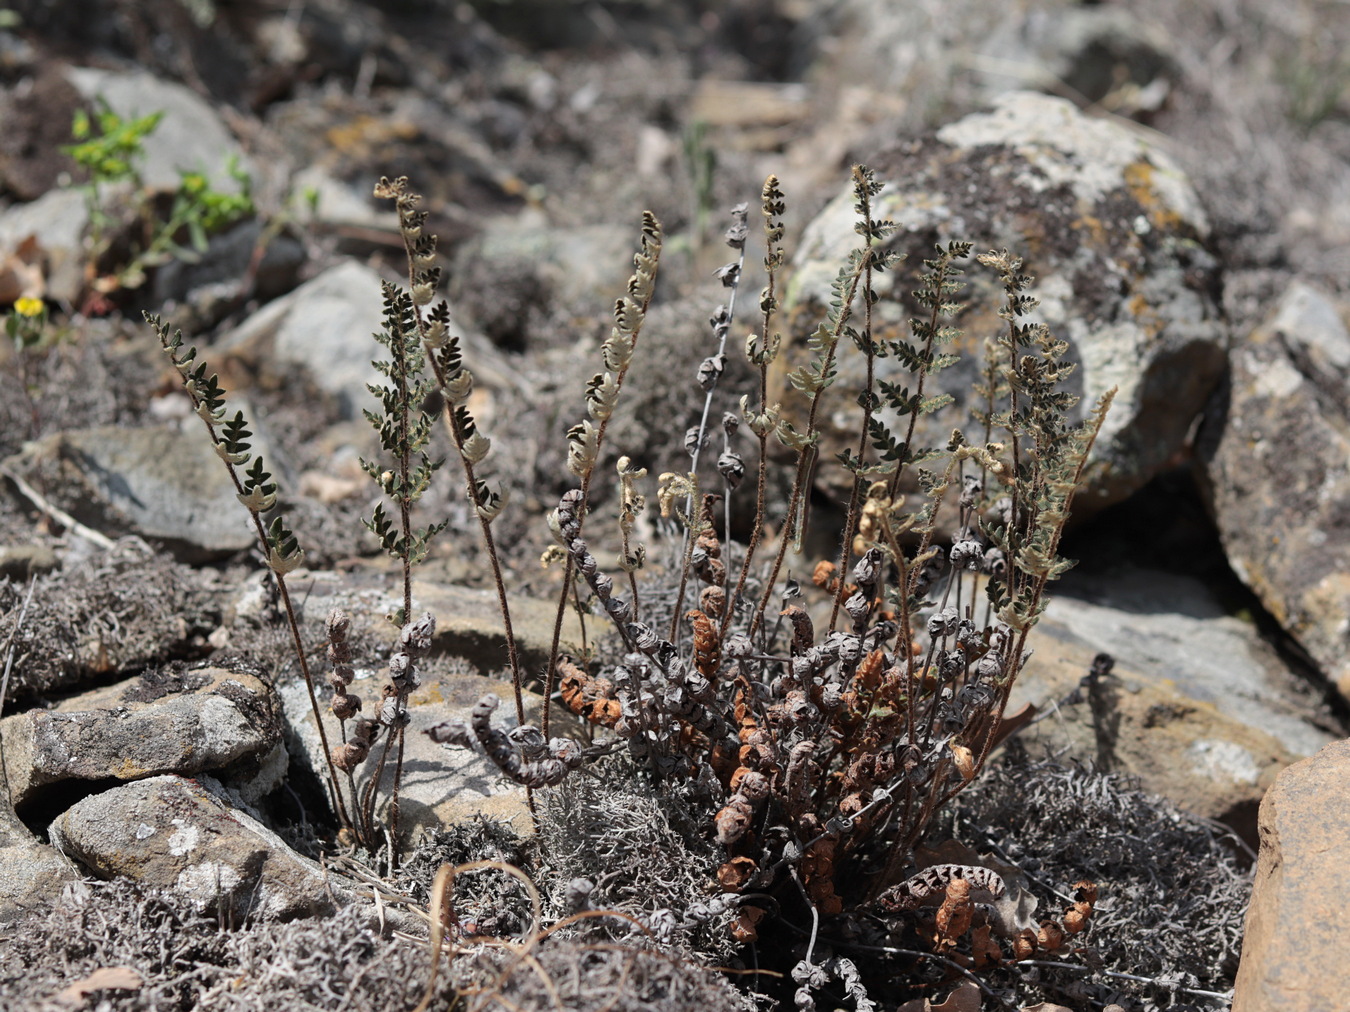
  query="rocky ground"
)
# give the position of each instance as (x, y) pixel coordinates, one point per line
(1178, 178)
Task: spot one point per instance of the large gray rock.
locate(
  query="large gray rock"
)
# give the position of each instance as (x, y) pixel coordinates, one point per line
(940, 58)
(1198, 707)
(1293, 949)
(1277, 470)
(327, 326)
(173, 833)
(159, 483)
(324, 326)
(1113, 234)
(174, 719)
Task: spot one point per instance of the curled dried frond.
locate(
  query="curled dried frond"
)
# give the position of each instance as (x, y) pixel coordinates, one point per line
(929, 887)
(589, 697)
(707, 643)
(545, 764)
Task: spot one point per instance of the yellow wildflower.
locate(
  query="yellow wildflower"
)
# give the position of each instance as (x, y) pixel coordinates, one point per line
(28, 306)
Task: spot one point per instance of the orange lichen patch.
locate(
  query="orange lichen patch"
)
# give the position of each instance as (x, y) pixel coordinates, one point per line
(367, 134)
(1139, 181)
(1093, 228)
(429, 694)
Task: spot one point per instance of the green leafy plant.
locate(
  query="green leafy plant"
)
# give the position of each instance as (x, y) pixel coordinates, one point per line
(110, 149)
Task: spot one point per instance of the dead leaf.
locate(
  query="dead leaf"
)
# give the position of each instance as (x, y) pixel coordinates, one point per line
(1046, 1006)
(119, 978)
(21, 272)
(966, 998)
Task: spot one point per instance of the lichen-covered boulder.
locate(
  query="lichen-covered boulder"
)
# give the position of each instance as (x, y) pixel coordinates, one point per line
(175, 834)
(1277, 471)
(1107, 225)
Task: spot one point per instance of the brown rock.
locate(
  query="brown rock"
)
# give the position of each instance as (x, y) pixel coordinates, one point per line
(1293, 955)
(1277, 467)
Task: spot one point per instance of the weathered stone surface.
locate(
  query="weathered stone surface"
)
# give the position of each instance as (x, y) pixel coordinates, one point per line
(1293, 951)
(441, 785)
(1198, 707)
(468, 621)
(1277, 472)
(950, 55)
(1106, 223)
(31, 873)
(190, 137)
(176, 719)
(159, 483)
(469, 625)
(325, 326)
(171, 832)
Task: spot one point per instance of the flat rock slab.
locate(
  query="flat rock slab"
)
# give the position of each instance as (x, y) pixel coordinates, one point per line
(171, 832)
(442, 785)
(1293, 950)
(1277, 472)
(468, 620)
(175, 720)
(1110, 229)
(161, 484)
(1198, 707)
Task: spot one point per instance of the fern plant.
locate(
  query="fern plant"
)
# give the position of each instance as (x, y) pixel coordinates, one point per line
(827, 735)
(821, 730)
